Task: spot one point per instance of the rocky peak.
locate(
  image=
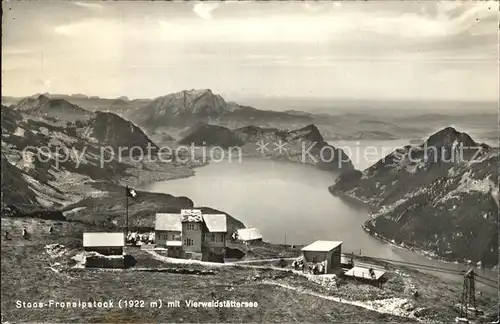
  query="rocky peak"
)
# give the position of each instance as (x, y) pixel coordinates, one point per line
(181, 108)
(43, 103)
(310, 132)
(30, 103)
(116, 131)
(198, 92)
(43, 97)
(448, 136)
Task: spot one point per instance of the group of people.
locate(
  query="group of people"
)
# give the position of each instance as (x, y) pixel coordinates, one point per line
(313, 267)
(25, 233)
(135, 238)
(298, 264)
(317, 267)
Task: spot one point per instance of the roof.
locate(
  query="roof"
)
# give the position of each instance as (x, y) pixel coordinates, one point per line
(363, 273)
(168, 222)
(216, 223)
(191, 215)
(248, 234)
(103, 239)
(173, 243)
(325, 246)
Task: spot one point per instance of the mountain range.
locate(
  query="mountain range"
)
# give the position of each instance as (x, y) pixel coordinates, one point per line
(423, 196)
(304, 145)
(172, 113)
(57, 156)
(50, 163)
(440, 196)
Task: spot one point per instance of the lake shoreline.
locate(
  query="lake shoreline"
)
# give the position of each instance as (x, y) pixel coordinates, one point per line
(431, 255)
(354, 200)
(347, 199)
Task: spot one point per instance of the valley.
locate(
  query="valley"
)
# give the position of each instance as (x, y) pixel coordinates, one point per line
(69, 171)
(83, 166)
(250, 162)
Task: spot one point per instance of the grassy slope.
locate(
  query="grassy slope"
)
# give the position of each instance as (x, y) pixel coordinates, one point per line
(26, 276)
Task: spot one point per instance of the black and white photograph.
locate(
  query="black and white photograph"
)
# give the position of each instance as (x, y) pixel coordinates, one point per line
(250, 161)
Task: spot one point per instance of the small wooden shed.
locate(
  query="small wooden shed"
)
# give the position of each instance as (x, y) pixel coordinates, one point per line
(324, 251)
(104, 243)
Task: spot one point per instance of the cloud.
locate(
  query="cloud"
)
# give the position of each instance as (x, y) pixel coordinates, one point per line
(382, 45)
(89, 5)
(204, 10)
(92, 29)
(331, 25)
(66, 30)
(45, 83)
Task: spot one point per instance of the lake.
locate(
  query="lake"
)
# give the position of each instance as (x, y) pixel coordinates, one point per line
(289, 201)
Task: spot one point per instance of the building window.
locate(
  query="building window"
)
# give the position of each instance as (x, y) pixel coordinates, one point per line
(193, 226)
(188, 242)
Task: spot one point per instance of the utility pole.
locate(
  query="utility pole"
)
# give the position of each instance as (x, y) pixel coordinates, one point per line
(126, 214)
(468, 296)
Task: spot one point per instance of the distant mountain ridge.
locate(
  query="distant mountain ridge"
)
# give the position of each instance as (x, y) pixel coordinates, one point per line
(103, 127)
(75, 157)
(440, 196)
(173, 113)
(304, 145)
(56, 169)
(43, 106)
(189, 106)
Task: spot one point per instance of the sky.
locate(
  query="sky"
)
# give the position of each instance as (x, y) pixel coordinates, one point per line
(371, 50)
